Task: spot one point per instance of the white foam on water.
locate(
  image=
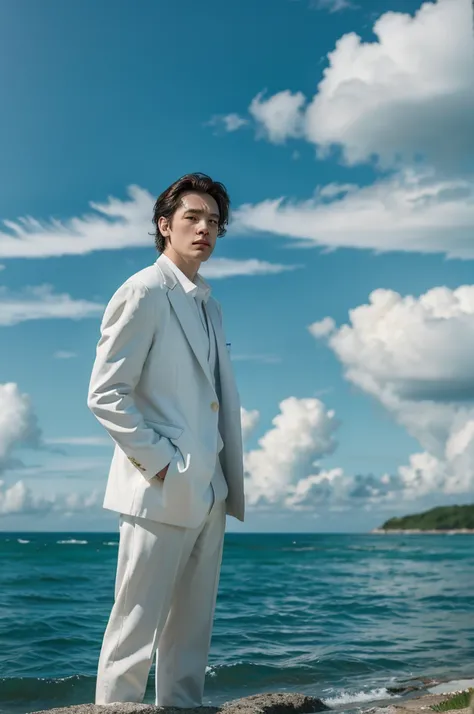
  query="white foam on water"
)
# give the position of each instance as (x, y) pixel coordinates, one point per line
(72, 542)
(111, 542)
(353, 697)
(456, 685)
(22, 541)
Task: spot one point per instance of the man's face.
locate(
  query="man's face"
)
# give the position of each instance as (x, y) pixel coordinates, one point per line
(191, 233)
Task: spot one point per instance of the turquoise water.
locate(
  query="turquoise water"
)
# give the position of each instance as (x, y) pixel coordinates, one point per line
(339, 617)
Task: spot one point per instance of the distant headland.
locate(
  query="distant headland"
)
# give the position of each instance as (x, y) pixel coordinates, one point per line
(443, 519)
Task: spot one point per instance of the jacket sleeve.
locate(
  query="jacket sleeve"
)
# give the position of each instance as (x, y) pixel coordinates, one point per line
(127, 332)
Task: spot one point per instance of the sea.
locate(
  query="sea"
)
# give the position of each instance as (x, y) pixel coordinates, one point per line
(355, 620)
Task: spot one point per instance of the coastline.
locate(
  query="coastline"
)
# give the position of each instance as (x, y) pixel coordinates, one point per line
(415, 701)
(419, 531)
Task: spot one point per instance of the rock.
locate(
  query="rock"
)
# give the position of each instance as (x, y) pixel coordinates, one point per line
(279, 703)
(125, 708)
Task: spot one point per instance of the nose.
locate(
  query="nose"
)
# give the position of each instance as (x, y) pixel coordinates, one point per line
(203, 229)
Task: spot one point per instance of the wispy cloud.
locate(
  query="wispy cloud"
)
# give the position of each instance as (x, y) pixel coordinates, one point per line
(333, 5)
(227, 268)
(39, 303)
(113, 225)
(227, 122)
(265, 359)
(80, 441)
(414, 212)
(61, 354)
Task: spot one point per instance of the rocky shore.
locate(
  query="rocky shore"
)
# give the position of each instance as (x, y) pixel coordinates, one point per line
(271, 703)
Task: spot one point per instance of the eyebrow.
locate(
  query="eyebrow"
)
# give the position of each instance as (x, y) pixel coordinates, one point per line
(200, 212)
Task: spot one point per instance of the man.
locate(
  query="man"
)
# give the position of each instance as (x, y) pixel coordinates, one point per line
(162, 386)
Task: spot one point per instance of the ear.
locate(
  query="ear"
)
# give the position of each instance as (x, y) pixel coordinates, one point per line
(164, 226)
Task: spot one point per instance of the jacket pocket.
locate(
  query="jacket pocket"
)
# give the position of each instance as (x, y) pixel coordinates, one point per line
(169, 431)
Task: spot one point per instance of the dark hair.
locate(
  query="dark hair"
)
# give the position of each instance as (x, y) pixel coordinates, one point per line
(168, 202)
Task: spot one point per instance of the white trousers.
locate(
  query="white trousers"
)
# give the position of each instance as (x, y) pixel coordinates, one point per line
(165, 595)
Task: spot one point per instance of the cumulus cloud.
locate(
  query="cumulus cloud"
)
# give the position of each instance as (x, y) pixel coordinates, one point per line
(407, 94)
(302, 432)
(249, 421)
(284, 472)
(335, 488)
(414, 356)
(18, 424)
(405, 100)
(278, 117)
(19, 499)
(40, 303)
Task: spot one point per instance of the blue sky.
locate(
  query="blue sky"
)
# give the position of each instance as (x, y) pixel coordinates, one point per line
(343, 136)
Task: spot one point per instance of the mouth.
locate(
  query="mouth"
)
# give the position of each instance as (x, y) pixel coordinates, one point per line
(202, 243)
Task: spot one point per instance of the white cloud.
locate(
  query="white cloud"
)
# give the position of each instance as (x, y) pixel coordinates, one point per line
(409, 348)
(227, 122)
(414, 355)
(63, 354)
(323, 327)
(278, 117)
(333, 5)
(264, 359)
(284, 471)
(19, 499)
(227, 268)
(112, 225)
(18, 423)
(408, 93)
(302, 432)
(80, 441)
(40, 303)
(61, 466)
(249, 421)
(339, 491)
(405, 99)
(409, 212)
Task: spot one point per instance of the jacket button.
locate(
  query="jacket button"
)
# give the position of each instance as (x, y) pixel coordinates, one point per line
(214, 406)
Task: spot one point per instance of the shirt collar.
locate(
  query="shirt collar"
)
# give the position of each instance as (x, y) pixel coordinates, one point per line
(198, 288)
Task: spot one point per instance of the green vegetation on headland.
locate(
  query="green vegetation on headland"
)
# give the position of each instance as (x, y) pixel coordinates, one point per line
(460, 700)
(443, 518)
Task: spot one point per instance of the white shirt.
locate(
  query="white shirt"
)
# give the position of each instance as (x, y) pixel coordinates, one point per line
(198, 293)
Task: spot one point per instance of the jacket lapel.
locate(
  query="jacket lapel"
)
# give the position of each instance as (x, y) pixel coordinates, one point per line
(226, 375)
(181, 306)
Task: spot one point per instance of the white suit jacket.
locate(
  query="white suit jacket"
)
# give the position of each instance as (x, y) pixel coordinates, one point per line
(152, 390)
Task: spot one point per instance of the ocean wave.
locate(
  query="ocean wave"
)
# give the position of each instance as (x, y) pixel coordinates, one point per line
(371, 695)
(36, 689)
(111, 542)
(20, 540)
(72, 541)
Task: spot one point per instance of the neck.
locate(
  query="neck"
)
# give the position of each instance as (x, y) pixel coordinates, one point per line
(188, 267)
